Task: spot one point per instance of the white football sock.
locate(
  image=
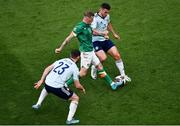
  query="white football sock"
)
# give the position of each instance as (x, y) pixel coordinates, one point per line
(120, 66)
(42, 96)
(72, 110)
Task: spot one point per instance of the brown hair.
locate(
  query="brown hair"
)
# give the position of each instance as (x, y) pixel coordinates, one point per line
(75, 53)
(105, 6)
(88, 14)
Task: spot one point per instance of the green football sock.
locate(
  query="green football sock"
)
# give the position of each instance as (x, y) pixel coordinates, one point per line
(106, 77)
(70, 81)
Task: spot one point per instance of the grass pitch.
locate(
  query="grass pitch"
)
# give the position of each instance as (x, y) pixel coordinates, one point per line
(149, 46)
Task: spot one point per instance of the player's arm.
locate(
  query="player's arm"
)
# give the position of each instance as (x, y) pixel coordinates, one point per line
(45, 73)
(96, 31)
(79, 86)
(76, 80)
(110, 28)
(101, 33)
(65, 42)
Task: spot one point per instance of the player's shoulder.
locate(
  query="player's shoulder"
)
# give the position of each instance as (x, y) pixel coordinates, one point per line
(68, 61)
(64, 60)
(108, 16)
(96, 15)
(60, 60)
(79, 26)
(75, 67)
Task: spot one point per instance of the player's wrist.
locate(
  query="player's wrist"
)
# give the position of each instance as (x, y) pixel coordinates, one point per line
(40, 81)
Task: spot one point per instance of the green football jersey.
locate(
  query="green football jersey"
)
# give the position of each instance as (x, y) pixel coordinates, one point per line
(83, 32)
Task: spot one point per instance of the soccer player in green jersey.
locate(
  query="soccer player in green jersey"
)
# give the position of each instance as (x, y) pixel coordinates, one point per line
(83, 32)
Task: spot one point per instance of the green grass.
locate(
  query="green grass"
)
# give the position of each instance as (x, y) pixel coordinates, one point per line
(149, 46)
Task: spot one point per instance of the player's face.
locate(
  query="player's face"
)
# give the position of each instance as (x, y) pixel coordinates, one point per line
(104, 12)
(78, 59)
(90, 19)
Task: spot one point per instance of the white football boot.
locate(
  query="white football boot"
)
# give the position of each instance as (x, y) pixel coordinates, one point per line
(36, 106)
(93, 72)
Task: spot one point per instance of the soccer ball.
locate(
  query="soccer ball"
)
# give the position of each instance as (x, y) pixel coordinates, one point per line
(123, 79)
(118, 78)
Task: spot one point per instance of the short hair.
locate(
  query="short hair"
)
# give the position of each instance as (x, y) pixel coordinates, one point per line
(75, 53)
(88, 14)
(105, 6)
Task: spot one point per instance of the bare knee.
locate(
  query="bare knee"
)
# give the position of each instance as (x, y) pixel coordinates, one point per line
(117, 56)
(74, 98)
(99, 66)
(77, 98)
(101, 55)
(114, 53)
(83, 72)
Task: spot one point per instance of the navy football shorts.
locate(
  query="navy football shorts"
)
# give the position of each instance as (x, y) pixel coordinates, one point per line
(103, 45)
(63, 92)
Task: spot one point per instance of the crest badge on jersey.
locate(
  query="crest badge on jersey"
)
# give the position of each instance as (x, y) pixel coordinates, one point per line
(96, 48)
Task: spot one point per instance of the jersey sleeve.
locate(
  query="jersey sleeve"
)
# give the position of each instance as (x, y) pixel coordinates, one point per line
(94, 24)
(76, 74)
(108, 19)
(77, 30)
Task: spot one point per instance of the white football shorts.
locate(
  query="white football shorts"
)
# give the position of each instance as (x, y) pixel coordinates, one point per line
(88, 58)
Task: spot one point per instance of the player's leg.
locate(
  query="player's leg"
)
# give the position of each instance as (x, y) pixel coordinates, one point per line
(100, 54)
(72, 109)
(102, 57)
(117, 57)
(66, 94)
(102, 73)
(118, 61)
(42, 96)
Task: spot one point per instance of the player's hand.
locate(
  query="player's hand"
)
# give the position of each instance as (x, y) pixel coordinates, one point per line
(38, 84)
(84, 91)
(106, 37)
(58, 50)
(116, 36)
(105, 33)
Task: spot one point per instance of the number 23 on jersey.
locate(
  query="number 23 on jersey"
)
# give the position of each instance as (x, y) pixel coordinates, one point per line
(61, 68)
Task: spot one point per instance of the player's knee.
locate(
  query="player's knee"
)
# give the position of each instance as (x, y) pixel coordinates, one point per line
(82, 74)
(99, 66)
(75, 98)
(117, 56)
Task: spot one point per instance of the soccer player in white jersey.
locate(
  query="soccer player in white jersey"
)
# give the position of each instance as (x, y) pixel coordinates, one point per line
(55, 77)
(101, 26)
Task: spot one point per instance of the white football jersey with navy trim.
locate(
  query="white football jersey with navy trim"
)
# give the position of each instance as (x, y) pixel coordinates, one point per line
(100, 24)
(63, 70)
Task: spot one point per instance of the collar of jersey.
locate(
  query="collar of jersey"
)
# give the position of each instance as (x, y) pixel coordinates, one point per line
(85, 24)
(100, 16)
(71, 59)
